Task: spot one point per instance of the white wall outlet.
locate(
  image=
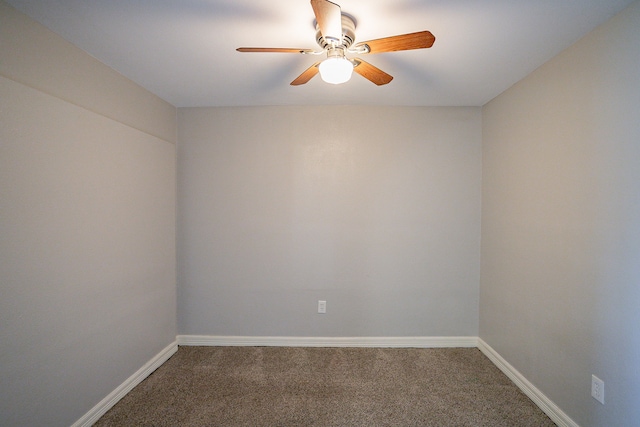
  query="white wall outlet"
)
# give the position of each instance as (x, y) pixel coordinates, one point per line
(597, 389)
(322, 306)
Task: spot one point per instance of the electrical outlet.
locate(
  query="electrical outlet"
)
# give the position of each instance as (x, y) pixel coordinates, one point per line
(597, 389)
(322, 306)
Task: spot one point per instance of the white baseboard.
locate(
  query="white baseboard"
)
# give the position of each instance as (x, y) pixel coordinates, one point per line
(406, 342)
(543, 402)
(107, 403)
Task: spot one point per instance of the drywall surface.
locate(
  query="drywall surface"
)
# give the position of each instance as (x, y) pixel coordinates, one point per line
(35, 56)
(560, 286)
(87, 254)
(375, 210)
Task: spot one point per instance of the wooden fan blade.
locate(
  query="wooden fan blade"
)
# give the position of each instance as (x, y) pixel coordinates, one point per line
(419, 40)
(329, 18)
(306, 75)
(371, 73)
(273, 49)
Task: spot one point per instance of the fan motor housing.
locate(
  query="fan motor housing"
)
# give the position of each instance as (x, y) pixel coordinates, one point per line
(348, 33)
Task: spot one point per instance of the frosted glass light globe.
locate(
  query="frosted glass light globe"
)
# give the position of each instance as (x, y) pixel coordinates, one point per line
(336, 70)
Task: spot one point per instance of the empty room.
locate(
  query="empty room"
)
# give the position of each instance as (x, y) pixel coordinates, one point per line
(411, 213)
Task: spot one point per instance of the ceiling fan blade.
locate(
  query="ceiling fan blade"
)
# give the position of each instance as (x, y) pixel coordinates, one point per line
(329, 18)
(273, 49)
(306, 75)
(371, 73)
(419, 40)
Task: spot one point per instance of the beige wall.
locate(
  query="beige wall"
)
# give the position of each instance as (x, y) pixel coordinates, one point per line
(560, 287)
(33, 55)
(87, 226)
(375, 210)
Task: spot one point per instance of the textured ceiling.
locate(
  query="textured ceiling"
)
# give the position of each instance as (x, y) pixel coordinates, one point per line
(184, 50)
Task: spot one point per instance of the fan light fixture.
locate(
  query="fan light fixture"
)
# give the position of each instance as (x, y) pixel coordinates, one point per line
(336, 68)
(335, 35)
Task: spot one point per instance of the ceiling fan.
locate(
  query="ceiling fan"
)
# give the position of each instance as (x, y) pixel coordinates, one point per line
(335, 35)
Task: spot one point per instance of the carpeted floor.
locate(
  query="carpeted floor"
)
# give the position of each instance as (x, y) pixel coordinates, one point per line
(286, 386)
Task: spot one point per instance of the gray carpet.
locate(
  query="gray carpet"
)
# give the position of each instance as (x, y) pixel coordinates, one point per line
(285, 386)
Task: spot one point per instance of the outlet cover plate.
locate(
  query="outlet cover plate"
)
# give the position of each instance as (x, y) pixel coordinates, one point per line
(322, 307)
(597, 389)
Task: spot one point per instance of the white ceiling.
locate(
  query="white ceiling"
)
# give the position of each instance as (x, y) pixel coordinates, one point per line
(184, 50)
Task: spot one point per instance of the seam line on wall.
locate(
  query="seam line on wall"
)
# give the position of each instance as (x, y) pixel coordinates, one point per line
(84, 107)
